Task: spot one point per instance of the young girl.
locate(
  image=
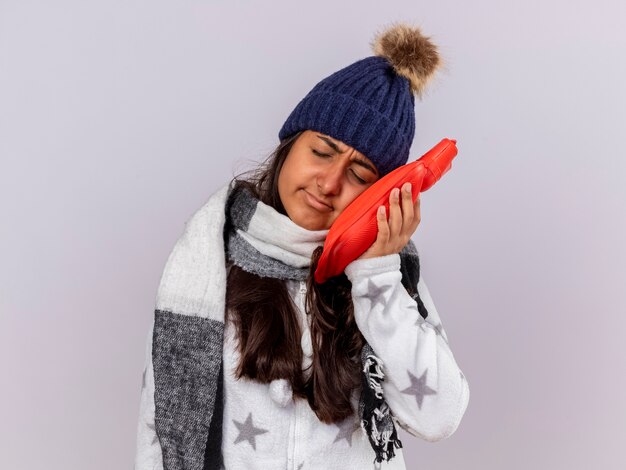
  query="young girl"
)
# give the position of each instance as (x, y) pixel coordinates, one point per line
(250, 364)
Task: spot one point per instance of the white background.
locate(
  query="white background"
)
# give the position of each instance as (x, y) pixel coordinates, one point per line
(118, 119)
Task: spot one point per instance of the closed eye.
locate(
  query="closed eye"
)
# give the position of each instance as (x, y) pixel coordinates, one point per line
(325, 155)
(359, 179)
(320, 153)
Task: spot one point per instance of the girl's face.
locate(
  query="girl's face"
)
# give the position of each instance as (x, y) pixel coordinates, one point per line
(320, 177)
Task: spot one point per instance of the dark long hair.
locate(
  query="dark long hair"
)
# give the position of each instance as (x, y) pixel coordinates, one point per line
(268, 331)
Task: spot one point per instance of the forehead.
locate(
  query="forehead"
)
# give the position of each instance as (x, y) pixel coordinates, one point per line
(339, 146)
(321, 137)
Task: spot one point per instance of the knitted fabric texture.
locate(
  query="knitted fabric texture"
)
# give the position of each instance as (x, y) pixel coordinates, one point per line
(367, 106)
(186, 368)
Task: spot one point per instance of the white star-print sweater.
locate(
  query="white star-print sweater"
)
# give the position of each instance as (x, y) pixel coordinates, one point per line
(264, 428)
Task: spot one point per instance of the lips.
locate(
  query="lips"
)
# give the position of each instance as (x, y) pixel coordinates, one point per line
(316, 203)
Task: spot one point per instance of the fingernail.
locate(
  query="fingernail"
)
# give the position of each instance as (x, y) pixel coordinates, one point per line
(407, 188)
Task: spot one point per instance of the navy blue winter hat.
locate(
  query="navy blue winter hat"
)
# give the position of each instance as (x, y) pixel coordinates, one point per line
(369, 105)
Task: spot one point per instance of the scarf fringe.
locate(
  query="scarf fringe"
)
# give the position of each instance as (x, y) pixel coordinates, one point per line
(380, 428)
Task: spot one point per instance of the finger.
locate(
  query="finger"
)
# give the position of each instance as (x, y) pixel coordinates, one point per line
(416, 211)
(383, 226)
(395, 213)
(408, 208)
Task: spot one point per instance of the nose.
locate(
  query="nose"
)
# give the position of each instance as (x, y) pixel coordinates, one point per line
(330, 180)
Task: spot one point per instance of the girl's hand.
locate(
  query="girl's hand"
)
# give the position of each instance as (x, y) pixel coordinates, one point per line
(394, 234)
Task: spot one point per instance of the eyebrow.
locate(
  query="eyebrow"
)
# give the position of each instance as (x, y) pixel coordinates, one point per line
(363, 163)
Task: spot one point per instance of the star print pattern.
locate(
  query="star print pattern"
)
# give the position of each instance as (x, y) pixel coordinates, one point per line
(418, 388)
(375, 294)
(383, 309)
(346, 430)
(248, 432)
(423, 324)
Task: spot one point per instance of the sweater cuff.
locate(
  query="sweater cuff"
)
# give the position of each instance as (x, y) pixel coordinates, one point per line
(371, 266)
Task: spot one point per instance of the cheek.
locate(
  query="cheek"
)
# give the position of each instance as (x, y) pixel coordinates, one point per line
(288, 185)
(351, 197)
(289, 173)
(285, 176)
(345, 202)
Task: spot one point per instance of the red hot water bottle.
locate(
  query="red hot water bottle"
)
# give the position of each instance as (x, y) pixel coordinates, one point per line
(356, 228)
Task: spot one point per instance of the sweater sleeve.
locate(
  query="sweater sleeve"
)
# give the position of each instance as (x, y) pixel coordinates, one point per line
(423, 386)
(148, 453)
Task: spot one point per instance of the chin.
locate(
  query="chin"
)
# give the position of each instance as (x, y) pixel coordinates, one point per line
(310, 226)
(307, 222)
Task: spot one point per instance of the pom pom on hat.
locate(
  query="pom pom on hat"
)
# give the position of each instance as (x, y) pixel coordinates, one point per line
(410, 53)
